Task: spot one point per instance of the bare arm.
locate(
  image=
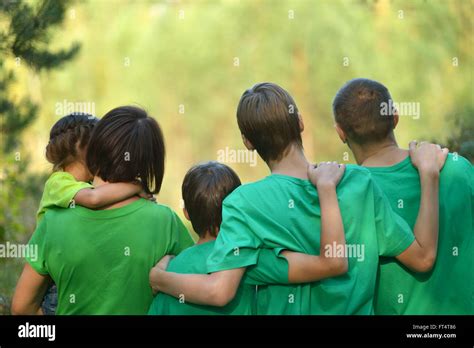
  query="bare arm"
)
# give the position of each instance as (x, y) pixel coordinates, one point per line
(216, 289)
(420, 256)
(29, 292)
(106, 194)
(309, 268)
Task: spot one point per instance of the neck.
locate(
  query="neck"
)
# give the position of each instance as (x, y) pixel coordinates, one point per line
(384, 153)
(97, 182)
(77, 170)
(294, 163)
(205, 238)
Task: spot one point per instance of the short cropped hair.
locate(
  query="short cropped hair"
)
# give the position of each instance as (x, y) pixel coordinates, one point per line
(205, 187)
(128, 145)
(268, 117)
(358, 107)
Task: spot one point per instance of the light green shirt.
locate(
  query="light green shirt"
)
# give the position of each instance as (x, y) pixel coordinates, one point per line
(59, 190)
(449, 287)
(283, 212)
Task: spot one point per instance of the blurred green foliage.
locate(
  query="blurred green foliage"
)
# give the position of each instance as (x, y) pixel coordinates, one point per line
(188, 62)
(25, 33)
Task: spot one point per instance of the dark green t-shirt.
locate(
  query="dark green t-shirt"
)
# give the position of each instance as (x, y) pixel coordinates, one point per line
(193, 261)
(100, 259)
(449, 287)
(282, 212)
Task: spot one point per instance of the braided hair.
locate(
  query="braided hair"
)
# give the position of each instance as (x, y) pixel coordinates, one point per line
(68, 137)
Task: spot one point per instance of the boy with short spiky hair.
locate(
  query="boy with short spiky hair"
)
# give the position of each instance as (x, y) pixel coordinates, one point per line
(362, 123)
(282, 211)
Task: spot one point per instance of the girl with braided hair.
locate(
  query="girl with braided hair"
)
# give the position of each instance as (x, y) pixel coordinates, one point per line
(69, 184)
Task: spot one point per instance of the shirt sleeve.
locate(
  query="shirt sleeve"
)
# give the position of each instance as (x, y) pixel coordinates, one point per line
(37, 249)
(180, 237)
(394, 235)
(271, 268)
(61, 189)
(236, 245)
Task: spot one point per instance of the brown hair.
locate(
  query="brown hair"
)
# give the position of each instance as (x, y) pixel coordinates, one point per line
(204, 188)
(357, 109)
(127, 145)
(268, 117)
(68, 139)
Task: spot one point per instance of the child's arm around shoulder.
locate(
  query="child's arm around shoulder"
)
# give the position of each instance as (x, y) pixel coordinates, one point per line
(215, 289)
(309, 268)
(429, 159)
(107, 194)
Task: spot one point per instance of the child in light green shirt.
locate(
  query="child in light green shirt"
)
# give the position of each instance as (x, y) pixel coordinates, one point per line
(69, 184)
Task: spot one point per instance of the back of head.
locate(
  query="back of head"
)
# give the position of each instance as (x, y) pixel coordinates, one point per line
(128, 145)
(205, 187)
(68, 139)
(359, 110)
(268, 117)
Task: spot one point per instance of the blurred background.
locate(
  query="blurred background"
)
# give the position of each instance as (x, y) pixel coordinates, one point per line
(188, 62)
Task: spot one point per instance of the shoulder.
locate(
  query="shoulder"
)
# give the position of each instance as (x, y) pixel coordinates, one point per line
(457, 167)
(161, 210)
(354, 169)
(55, 213)
(356, 175)
(192, 258)
(64, 185)
(246, 191)
(58, 178)
(185, 255)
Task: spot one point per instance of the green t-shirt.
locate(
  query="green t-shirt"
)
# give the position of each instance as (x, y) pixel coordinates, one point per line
(449, 287)
(59, 191)
(100, 259)
(269, 269)
(283, 212)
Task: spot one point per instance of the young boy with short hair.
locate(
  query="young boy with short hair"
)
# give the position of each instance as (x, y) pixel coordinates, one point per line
(282, 212)
(368, 131)
(204, 188)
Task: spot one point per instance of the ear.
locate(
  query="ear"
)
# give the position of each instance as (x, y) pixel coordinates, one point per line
(341, 133)
(301, 123)
(247, 143)
(186, 215)
(396, 118)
